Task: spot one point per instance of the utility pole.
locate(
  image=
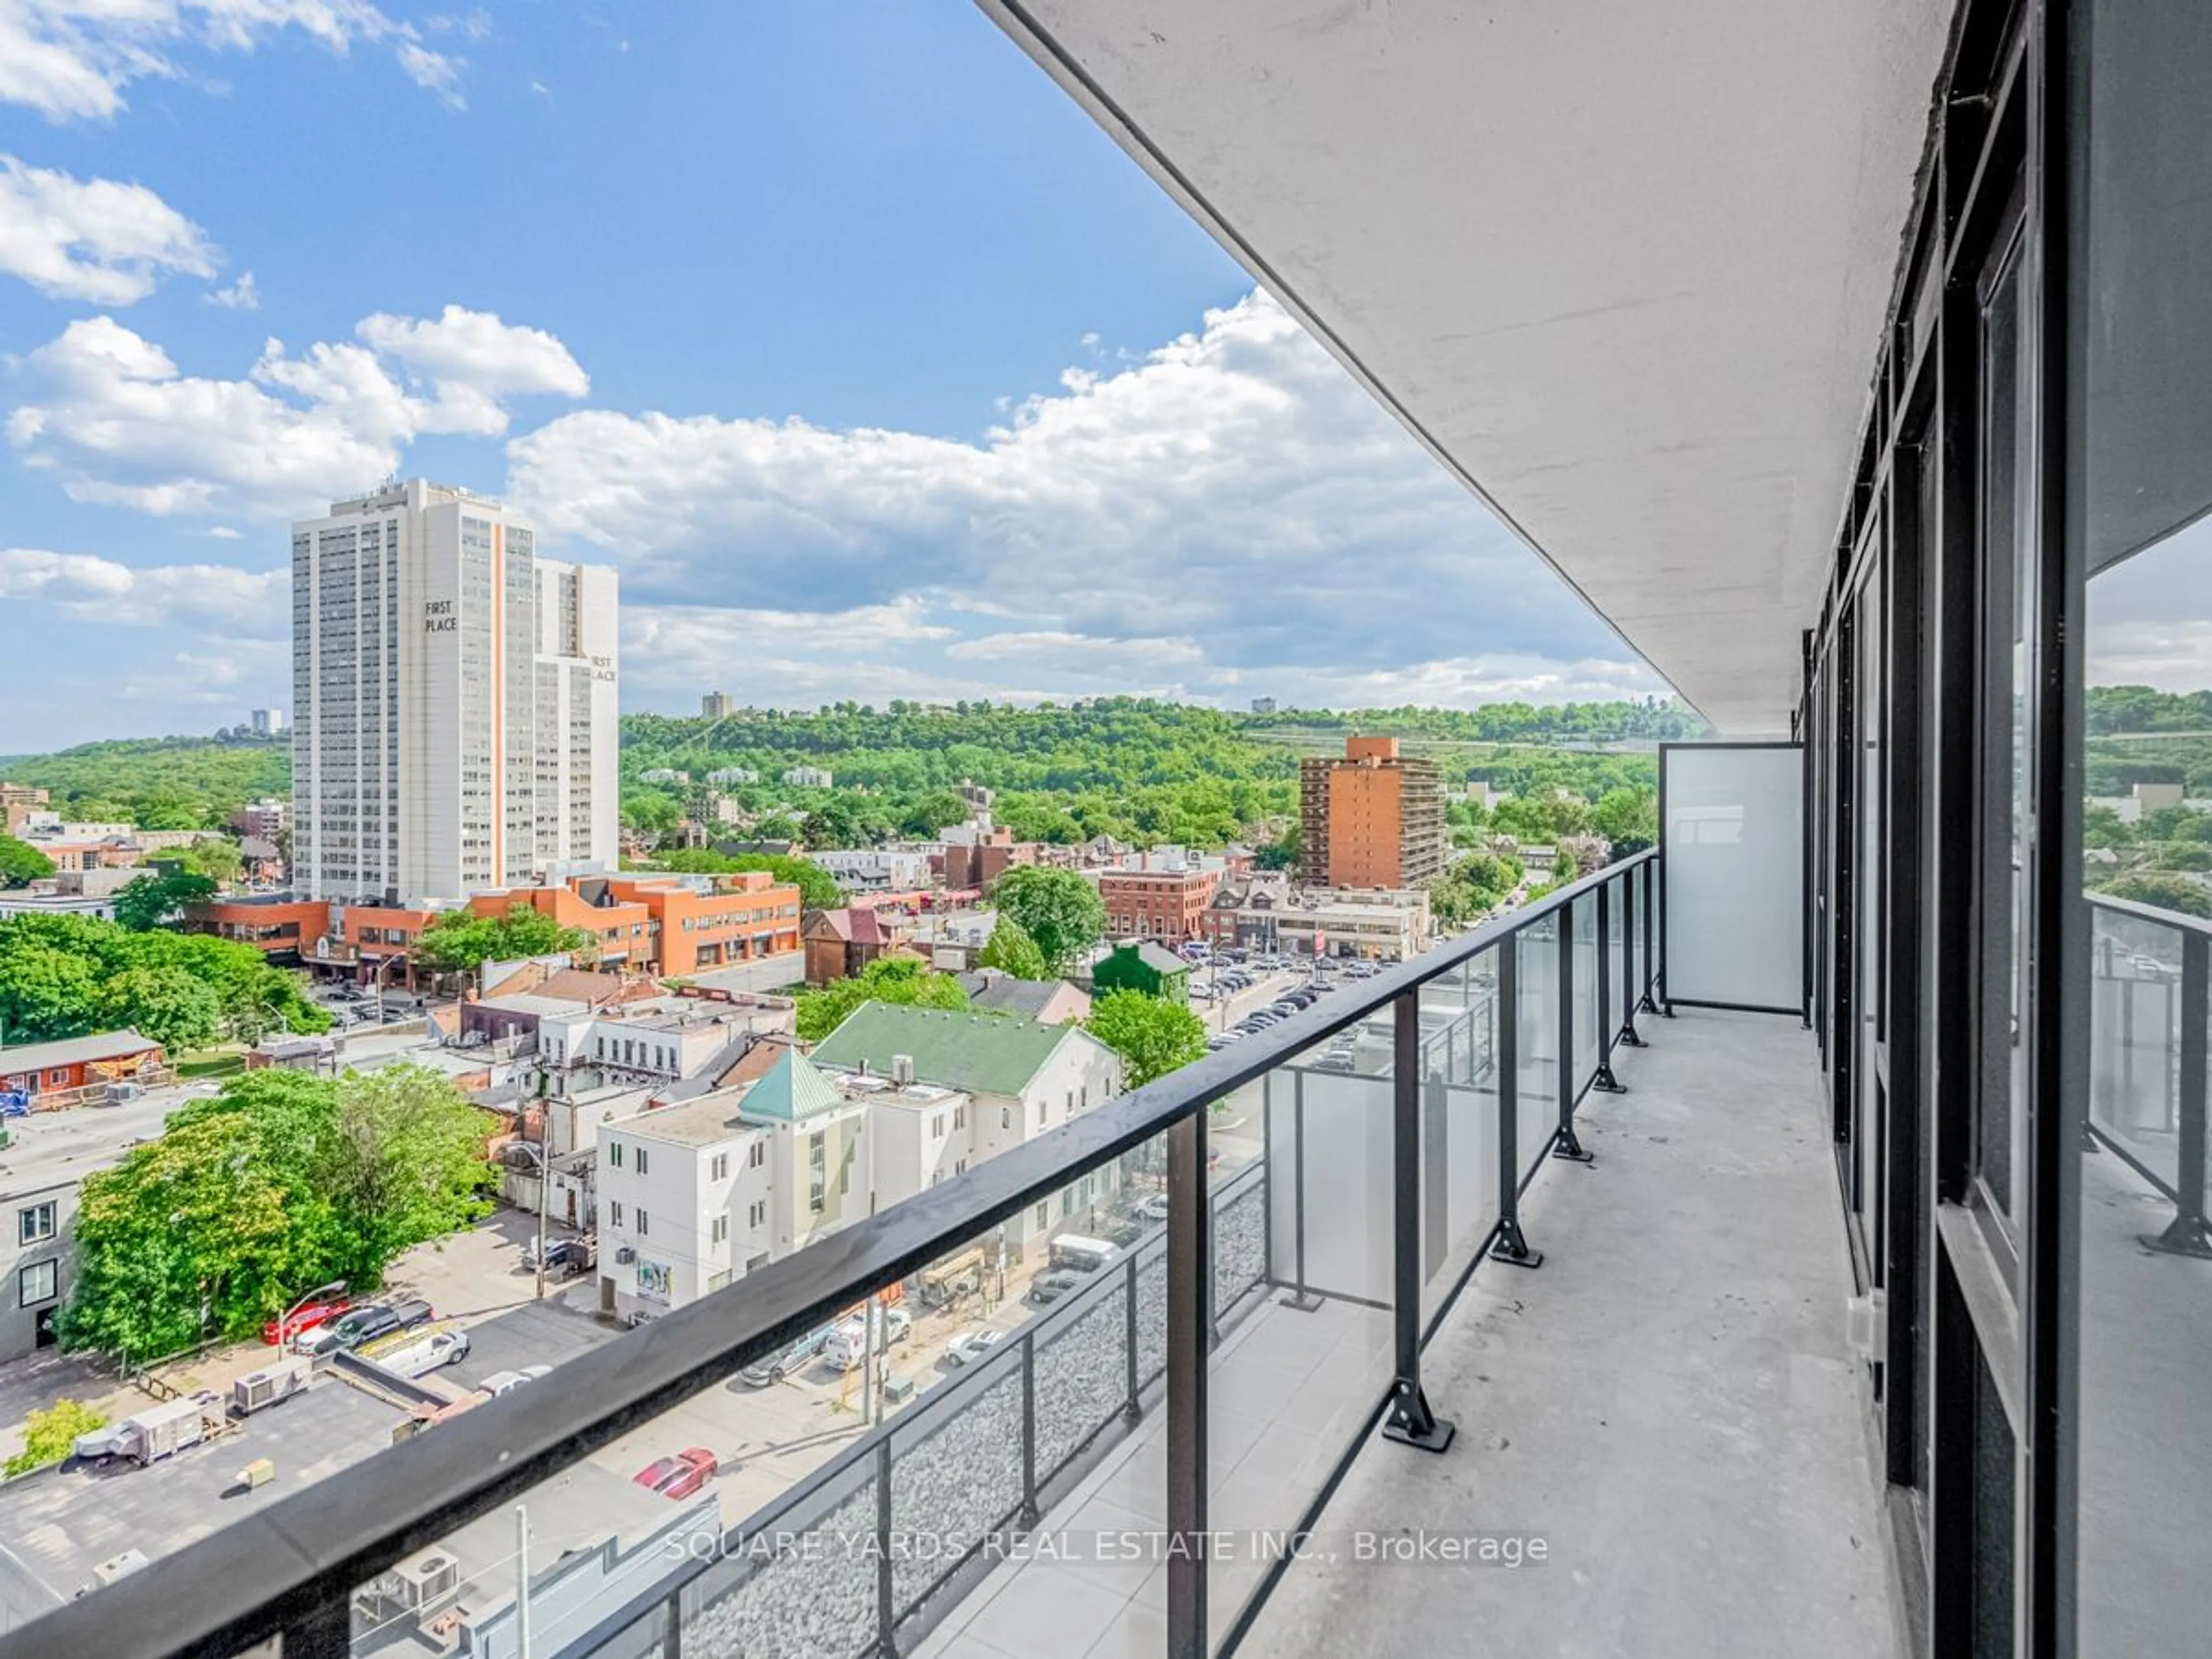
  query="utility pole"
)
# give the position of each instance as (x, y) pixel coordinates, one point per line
(522, 1582)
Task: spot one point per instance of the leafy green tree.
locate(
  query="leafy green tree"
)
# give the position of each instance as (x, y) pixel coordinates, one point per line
(155, 900)
(280, 1182)
(777, 827)
(817, 888)
(20, 863)
(651, 812)
(191, 1235)
(1153, 1035)
(1563, 868)
(1629, 818)
(1282, 853)
(50, 1434)
(462, 941)
(2165, 892)
(46, 992)
(173, 1005)
(216, 857)
(907, 981)
(1057, 908)
(2183, 855)
(928, 814)
(1011, 950)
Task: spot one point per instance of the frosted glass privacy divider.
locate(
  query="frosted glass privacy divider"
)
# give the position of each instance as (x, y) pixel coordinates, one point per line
(1732, 836)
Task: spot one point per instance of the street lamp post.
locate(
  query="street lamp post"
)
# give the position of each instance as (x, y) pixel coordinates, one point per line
(284, 1331)
(544, 1180)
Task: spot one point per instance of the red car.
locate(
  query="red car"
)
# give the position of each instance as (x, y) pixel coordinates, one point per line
(304, 1318)
(681, 1475)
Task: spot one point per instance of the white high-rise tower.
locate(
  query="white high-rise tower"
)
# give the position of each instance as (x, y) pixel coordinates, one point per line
(454, 701)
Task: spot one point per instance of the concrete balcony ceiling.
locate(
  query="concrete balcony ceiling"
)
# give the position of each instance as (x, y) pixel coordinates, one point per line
(1623, 268)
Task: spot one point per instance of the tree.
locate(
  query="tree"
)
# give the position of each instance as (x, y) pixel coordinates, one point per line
(151, 901)
(21, 863)
(652, 813)
(2165, 892)
(908, 980)
(50, 1434)
(216, 857)
(1011, 950)
(462, 941)
(1153, 1035)
(928, 814)
(46, 992)
(817, 888)
(1282, 853)
(173, 1005)
(280, 1182)
(1629, 818)
(1057, 908)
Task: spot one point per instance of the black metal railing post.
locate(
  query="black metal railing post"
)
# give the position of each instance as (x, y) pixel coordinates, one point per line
(1134, 1410)
(1300, 1297)
(1650, 905)
(2189, 1233)
(1510, 1246)
(1409, 1420)
(1631, 883)
(886, 1557)
(1604, 1081)
(1187, 1347)
(1655, 876)
(1030, 1510)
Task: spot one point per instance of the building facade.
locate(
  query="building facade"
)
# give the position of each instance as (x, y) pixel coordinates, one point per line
(267, 722)
(1166, 906)
(1375, 819)
(715, 705)
(453, 699)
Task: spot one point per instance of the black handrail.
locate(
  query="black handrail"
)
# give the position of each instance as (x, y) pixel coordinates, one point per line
(293, 1568)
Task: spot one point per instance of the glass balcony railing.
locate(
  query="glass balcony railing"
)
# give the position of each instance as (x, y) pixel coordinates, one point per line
(1142, 1438)
(2150, 992)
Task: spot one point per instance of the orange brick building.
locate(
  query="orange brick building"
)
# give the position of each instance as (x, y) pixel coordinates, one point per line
(1375, 819)
(274, 927)
(1165, 906)
(749, 916)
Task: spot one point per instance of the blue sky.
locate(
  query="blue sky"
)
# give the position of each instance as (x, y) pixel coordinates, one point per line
(874, 366)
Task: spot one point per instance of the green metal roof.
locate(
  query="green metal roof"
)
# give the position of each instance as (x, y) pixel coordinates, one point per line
(982, 1053)
(789, 1091)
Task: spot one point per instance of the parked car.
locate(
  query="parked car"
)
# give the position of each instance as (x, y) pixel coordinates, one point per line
(785, 1360)
(681, 1475)
(970, 1347)
(1050, 1288)
(847, 1345)
(500, 1382)
(1152, 1208)
(413, 1355)
(564, 1257)
(350, 1330)
(303, 1319)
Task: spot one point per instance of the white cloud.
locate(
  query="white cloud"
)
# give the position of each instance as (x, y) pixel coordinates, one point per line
(244, 294)
(222, 532)
(92, 588)
(109, 412)
(72, 59)
(1231, 502)
(475, 348)
(476, 25)
(92, 239)
(435, 72)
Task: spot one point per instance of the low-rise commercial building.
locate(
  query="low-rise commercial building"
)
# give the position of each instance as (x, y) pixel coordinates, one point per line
(48, 1074)
(876, 869)
(1143, 967)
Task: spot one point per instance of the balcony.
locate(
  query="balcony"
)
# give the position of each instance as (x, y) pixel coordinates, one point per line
(1337, 1241)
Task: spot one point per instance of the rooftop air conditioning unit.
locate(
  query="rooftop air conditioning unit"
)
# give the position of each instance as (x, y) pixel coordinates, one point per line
(902, 1069)
(427, 1581)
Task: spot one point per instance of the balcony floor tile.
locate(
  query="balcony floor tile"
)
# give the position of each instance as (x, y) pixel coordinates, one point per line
(1669, 1401)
